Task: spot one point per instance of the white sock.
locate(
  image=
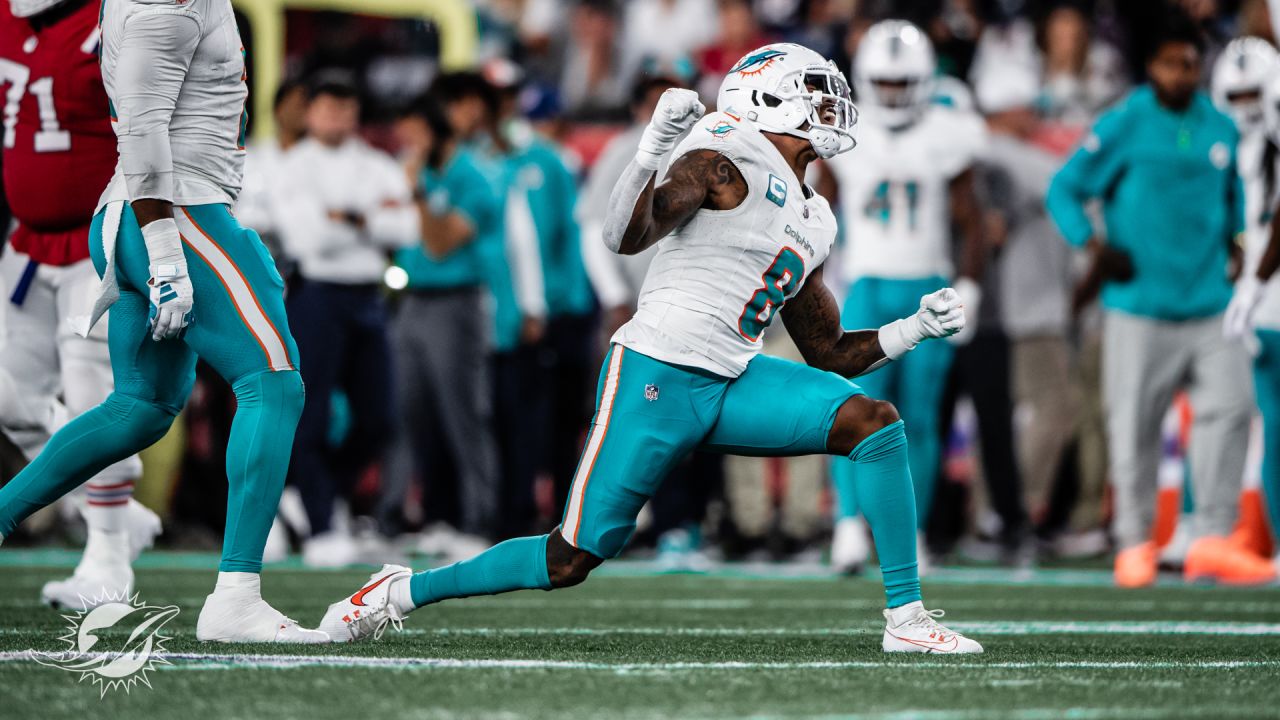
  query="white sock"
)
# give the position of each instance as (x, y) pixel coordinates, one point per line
(107, 504)
(400, 595)
(903, 613)
(238, 583)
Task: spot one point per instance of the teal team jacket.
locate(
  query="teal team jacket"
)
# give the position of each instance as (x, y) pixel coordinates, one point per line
(1170, 197)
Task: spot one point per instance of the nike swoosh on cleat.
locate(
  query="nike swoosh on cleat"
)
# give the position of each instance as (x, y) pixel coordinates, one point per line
(932, 646)
(358, 598)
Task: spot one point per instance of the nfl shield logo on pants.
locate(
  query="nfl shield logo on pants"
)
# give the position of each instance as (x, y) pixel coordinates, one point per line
(650, 392)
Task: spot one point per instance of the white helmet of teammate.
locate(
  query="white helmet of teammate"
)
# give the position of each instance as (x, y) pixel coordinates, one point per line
(31, 8)
(789, 89)
(893, 72)
(1245, 66)
(1271, 108)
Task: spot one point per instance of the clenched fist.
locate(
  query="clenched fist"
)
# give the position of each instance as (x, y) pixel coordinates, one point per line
(677, 111)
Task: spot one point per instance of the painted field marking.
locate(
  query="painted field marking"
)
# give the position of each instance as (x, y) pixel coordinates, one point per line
(226, 661)
(976, 628)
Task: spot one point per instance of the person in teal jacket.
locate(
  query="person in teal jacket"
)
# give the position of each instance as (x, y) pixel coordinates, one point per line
(1162, 162)
(443, 331)
(548, 186)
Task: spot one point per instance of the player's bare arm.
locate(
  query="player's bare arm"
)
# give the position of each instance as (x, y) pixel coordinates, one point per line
(812, 318)
(966, 213)
(701, 179)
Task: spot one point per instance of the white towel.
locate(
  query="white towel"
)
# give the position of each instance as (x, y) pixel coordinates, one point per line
(108, 289)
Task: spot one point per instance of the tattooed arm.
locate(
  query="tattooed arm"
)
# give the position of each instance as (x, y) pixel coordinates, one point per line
(812, 319)
(698, 179)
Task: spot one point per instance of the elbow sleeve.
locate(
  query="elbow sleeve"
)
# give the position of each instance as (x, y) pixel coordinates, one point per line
(622, 203)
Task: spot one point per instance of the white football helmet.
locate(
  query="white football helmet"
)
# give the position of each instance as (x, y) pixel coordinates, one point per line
(789, 89)
(31, 8)
(1271, 108)
(893, 72)
(1245, 66)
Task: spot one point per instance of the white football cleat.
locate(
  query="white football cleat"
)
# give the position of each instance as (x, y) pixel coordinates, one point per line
(103, 574)
(104, 570)
(143, 528)
(911, 628)
(849, 546)
(367, 612)
(238, 616)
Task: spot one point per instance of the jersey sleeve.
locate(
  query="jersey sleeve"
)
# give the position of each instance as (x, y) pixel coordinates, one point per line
(158, 43)
(721, 132)
(963, 142)
(1087, 175)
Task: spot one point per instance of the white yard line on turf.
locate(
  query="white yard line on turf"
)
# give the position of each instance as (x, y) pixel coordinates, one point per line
(976, 628)
(203, 661)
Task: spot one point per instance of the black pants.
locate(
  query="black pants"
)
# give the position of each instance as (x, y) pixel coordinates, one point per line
(341, 331)
(982, 371)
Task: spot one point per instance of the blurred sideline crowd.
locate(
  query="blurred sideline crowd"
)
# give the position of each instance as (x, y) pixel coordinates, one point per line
(439, 233)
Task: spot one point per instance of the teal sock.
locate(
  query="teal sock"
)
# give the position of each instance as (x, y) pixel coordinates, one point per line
(519, 564)
(268, 406)
(843, 478)
(887, 501)
(121, 426)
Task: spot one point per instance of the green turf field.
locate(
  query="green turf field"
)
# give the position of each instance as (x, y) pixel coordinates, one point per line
(740, 642)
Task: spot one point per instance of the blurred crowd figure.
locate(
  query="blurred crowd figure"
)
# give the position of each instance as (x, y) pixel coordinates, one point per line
(452, 298)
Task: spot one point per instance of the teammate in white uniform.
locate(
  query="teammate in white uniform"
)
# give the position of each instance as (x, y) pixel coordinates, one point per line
(739, 235)
(183, 278)
(899, 195)
(1246, 86)
(59, 150)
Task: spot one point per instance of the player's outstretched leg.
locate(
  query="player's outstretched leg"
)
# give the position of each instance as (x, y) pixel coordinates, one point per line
(542, 562)
(887, 500)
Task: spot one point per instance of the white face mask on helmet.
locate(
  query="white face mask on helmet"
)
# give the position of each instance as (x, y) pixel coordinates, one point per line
(893, 72)
(791, 90)
(31, 8)
(1240, 75)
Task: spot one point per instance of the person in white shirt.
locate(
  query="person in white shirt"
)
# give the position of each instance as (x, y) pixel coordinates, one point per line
(342, 207)
(263, 159)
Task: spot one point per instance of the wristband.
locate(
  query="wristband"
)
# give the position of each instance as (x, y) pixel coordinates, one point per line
(896, 338)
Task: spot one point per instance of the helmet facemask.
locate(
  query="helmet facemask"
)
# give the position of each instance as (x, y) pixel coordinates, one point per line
(831, 114)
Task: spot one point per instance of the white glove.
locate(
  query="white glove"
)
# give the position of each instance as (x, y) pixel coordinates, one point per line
(171, 291)
(970, 293)
(941, 314)
(677, 111)
(1238, 320)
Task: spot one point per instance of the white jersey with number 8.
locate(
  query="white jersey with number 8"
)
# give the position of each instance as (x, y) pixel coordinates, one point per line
(719, 280)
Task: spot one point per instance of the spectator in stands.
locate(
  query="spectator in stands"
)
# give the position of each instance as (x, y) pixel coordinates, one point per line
(339, 233)
(559, 378)
(664, 31)
(1036, 281)
(739, 35)
(263, 160)
(591, 82)
(1082, 73)
(1163, 163)
(443, 329)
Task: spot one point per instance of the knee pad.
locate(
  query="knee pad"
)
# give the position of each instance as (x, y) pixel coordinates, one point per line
(151, 419)
(282, 391)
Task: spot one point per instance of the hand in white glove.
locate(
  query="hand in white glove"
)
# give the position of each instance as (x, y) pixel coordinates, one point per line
(171, 301)
(1238, 320)
(677, 111)
(941, 315)
(970, 294)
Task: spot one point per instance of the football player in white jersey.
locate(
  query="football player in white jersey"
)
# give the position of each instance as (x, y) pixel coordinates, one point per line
(183, 279)
(740, 238)
(1246, 86)
(899, 195)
